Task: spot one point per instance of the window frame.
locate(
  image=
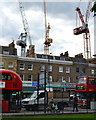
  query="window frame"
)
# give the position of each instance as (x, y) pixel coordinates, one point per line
(77, 69)
(50, 68)
(1, 64)
(60, 78)
(92, 72)
(67, 69)
(50, 78)
(31, 67)
(42, 68)
(68, 78)
(10, 66)
(60, 68)
(30, 77)
(22, 77)
(22, 68)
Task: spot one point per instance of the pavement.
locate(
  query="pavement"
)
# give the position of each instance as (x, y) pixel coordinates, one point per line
(67, 110)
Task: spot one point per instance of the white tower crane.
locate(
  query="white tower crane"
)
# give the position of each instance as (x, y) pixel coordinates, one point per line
(26, 35)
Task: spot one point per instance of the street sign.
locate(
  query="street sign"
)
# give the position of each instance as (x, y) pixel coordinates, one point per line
(34, 83)
(29, 83)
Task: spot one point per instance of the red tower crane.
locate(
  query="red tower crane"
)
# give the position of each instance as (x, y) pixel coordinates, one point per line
(85, 30)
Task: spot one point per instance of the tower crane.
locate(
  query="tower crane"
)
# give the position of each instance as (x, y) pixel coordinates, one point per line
(48, 40)
(26, 35)
(85, 30)
(94, 10)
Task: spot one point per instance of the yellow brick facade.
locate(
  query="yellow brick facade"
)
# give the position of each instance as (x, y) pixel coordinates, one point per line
(6, 61)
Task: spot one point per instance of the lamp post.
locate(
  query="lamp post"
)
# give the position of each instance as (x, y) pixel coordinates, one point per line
(49, 70)
(63, 90)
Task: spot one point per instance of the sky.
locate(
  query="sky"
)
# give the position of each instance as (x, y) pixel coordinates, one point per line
(62, 18)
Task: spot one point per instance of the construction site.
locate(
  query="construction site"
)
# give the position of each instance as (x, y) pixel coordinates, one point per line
(62, 70)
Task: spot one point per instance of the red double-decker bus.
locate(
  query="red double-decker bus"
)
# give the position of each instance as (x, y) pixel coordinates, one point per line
(10, 88)
(86, 90)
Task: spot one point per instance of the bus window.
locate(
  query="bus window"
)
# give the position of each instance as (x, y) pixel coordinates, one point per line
(82, 96)
(81, 80)
(5, 76)
(91, 81)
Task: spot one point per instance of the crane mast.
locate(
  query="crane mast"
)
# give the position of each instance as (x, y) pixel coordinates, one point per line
(48, 40)
(94, 10)
(85, 30)
(26, 35)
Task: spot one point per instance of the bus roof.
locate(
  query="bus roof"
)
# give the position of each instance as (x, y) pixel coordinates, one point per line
(13, 84)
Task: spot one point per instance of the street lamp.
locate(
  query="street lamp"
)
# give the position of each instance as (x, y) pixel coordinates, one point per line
(64, 85)
(49, 70)
(64, 88)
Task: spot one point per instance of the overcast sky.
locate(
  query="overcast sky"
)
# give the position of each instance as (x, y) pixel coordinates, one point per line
(62, 19)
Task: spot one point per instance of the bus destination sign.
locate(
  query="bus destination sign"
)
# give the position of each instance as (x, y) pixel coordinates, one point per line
(80, 87)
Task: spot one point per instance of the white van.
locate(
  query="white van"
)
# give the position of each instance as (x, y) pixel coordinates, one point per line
(31, 103)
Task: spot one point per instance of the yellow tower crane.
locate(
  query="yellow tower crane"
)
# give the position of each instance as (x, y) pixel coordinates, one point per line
(48, 40)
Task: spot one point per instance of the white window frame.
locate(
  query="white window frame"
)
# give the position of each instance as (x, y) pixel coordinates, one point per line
(30, 77)
(22, 77)
(60, 68)
(30, 67)
(23, 65)
(67, 69)
(60, 78)
(1, 64)
(93, 72)
(67, 79)
(10, 65)
(42, 68)
(50, 78)
(50, 68)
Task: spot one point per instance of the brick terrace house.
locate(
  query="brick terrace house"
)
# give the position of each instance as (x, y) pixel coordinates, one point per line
(62, 70)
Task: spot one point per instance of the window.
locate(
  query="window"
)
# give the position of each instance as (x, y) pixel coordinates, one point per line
(42, 68)
(91, 81)
(81, 80)
(22, 77)
(60, 78)
(41, 95)
(29, 77)
(77, 70)
(68, 79)
(50, 78)
(84, 70)
(67, 69)
(5, 76)
(30, 67)
(10, 64)
(60, 68)
(21, 66)
(50, 68)
(1, 64)
(92, 71)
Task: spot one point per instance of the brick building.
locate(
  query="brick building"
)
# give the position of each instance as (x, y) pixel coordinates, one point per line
(62, 70)
(8, 57)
